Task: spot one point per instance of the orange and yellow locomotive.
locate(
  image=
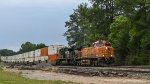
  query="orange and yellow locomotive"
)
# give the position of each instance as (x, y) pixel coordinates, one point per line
(100, 53)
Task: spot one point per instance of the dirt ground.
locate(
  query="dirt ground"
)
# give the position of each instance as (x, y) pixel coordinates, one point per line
(42, 75)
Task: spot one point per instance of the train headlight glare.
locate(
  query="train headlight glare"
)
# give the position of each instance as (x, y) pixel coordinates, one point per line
(103, 55)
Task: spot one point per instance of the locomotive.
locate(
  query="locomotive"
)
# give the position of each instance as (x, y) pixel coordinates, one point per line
(101, 53)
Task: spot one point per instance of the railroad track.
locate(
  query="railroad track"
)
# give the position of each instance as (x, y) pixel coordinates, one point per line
(115, 71)
(102, 71)
(117, 68)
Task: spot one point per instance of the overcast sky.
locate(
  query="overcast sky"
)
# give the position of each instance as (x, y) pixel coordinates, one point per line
(37, 21)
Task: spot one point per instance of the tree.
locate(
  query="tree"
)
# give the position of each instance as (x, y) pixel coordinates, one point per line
(26, 47)
(6, 52)
(88, 24)
(119, 37)
(41, 45)
(138, 11)
(76, 32)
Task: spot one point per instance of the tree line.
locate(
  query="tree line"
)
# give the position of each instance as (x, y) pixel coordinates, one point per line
(125, 23)
(25, 47)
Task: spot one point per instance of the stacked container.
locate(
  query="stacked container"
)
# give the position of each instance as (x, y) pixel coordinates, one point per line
(53, 52)
(48, 53)
(3, 58)
(44, 51)
(31, 54)
(37, 52)
(54, 49)
(44, 54)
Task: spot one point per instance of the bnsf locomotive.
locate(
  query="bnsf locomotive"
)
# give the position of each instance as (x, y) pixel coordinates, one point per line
(99, 54)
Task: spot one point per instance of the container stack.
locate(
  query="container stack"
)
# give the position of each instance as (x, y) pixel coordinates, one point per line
(50, 53)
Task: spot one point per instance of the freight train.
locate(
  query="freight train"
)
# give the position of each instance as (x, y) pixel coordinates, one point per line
(101, 53)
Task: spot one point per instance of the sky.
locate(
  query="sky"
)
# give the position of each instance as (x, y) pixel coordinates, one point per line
(36, 21)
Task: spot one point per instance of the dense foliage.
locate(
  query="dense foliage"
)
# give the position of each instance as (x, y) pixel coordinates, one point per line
(6, 52)
(125, 23)
(28, 46)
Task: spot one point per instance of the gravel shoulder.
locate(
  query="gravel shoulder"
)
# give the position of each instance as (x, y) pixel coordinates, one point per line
(43, 75)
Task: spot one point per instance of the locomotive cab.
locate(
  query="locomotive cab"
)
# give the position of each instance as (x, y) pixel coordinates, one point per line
(102, 43)
(103, 49)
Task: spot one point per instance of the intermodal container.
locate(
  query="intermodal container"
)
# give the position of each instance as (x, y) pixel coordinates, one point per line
(26, 55)
(44, 51)
(37, 52)
(31, 59)
(54, 49)
(31, 54)
(36, 58)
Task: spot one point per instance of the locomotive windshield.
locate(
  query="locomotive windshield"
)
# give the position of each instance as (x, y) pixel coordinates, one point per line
(99, 45)
(108, 44)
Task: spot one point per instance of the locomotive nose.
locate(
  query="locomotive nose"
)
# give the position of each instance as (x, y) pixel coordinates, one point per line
(106, 52)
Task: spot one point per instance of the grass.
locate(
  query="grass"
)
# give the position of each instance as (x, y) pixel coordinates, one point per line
(12, 78)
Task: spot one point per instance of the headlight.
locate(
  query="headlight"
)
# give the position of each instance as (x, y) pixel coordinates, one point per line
(111, 55)
(103, 55)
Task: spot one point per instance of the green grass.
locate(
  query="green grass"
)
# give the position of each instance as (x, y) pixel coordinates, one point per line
(12, 78)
